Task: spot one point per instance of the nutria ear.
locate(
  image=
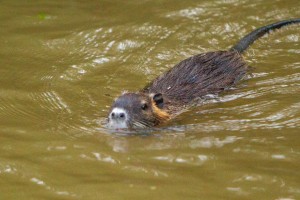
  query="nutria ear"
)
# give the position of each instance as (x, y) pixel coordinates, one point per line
(159, 100)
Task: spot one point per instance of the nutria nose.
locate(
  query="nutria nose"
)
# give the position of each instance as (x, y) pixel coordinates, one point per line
(118, 113)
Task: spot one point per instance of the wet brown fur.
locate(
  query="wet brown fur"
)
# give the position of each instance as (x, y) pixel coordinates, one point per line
(197, 76)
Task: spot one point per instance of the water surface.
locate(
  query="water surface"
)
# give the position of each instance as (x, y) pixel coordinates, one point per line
(63, 62)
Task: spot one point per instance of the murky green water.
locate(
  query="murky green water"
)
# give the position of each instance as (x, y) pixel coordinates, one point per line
(63, 62)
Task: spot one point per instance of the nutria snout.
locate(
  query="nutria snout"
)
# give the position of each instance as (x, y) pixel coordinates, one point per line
(173, 91)
(137, 110)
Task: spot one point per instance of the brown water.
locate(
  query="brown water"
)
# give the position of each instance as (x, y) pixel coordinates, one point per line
(63, 62)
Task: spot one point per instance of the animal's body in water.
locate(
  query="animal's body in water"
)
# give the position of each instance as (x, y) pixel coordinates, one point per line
(195, 77)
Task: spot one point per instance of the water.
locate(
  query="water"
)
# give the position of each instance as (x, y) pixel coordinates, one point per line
(63, 62)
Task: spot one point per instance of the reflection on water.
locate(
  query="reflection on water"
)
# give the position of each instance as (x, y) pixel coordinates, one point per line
(63, 63)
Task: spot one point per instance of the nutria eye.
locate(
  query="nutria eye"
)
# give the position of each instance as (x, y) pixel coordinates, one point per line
(144, 106)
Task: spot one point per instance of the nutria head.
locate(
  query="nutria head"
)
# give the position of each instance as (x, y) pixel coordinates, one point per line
(137, 110)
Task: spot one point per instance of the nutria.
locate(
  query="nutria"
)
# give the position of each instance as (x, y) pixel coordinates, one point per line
(195, 77)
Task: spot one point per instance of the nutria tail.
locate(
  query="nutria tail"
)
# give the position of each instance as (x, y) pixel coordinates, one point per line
(246, 41)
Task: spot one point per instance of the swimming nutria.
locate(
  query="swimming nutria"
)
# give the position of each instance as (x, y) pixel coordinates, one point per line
(192, 78)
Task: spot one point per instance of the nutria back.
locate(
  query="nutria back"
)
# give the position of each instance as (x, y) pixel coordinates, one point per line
(199, 75)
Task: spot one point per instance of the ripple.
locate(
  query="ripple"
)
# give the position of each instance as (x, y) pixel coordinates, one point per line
(7, 169)
(51, 101)
(144, 170)
(101, 157)
(191, 13)
(40, 182)
(280, 80)
(12, 105)
(209, 142)
(278, 156)
(184, 159)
